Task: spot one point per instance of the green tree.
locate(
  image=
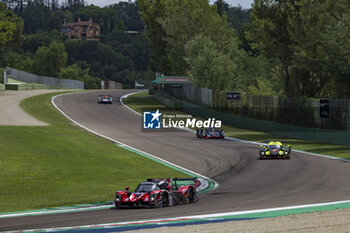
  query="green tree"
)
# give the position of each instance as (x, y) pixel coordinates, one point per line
(100, 58)
(321, 35)
(211, 67)
(106, 17)
(57, 18)
(202, 43)
(128, 13)
(76, 73)
(133, 46)
(195, 38)
(220, 4)
(10, 32)
(151, 11)
(270, 33)
(237, 16)
(308, 41)
(33, 41)
(262, 87)
(183, 20)
(36, 17)
(49, 60)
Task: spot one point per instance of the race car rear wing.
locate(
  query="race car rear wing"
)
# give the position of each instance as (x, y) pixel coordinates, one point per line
(197, 183)
(173, 181)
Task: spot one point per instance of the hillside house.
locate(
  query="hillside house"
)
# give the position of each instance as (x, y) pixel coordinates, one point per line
(81, 30)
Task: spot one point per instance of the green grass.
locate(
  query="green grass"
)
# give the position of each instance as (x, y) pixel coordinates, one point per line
(150, 102)
(31, 86)
(141, 94)
(62, 164)
(10, 80)
(142, 100)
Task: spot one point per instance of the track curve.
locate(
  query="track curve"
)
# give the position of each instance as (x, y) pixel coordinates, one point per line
(245, 183)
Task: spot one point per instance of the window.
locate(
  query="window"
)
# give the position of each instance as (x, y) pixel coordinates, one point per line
(65, 30)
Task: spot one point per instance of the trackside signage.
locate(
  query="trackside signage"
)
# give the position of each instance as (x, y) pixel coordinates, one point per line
(173, 80)
(157, 120)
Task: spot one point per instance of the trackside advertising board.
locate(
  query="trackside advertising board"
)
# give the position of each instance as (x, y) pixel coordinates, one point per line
(173, 80)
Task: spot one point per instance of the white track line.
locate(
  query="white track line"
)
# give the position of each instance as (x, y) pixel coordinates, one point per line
(125, 145)
(126, 96)
(203, 180)
(192, 217)
(43, 212)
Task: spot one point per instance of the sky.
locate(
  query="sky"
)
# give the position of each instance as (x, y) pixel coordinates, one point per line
(243, 3)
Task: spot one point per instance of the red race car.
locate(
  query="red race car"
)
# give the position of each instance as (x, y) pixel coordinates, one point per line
(159, 193)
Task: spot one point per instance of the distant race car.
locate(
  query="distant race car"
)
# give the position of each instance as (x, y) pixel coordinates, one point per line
(274, 150)
(105, 99)
(210, 133)
(158, 193)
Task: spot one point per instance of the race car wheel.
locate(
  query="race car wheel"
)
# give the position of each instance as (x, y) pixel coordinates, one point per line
(191, 196)
(165, 200)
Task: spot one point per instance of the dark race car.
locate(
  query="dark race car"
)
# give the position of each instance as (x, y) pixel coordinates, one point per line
(105, 99)
(159, 193)
(274, 150)
(210, 133)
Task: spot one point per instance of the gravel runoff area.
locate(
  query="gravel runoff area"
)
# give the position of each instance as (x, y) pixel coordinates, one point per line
(10, 111)
(317, 222)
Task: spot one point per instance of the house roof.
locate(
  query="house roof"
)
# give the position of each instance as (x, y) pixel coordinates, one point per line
(79, 23)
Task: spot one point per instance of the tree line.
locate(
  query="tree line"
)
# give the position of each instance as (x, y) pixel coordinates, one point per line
(118, 56)
(288, 48)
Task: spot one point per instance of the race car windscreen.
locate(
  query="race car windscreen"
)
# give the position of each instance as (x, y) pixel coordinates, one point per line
(212, 131)
(146, 187)
(274, 147)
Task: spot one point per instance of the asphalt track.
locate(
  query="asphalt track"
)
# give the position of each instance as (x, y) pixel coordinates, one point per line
(245, 182)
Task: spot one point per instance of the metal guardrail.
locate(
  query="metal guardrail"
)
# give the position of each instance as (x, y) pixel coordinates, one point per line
(32, 78)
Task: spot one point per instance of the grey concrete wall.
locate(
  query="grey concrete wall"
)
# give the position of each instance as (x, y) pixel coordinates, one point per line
(32, 78)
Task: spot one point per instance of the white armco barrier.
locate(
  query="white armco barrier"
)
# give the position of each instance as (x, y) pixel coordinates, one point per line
(32, 78)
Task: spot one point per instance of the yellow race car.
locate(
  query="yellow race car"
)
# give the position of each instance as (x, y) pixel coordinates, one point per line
(274, 150)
